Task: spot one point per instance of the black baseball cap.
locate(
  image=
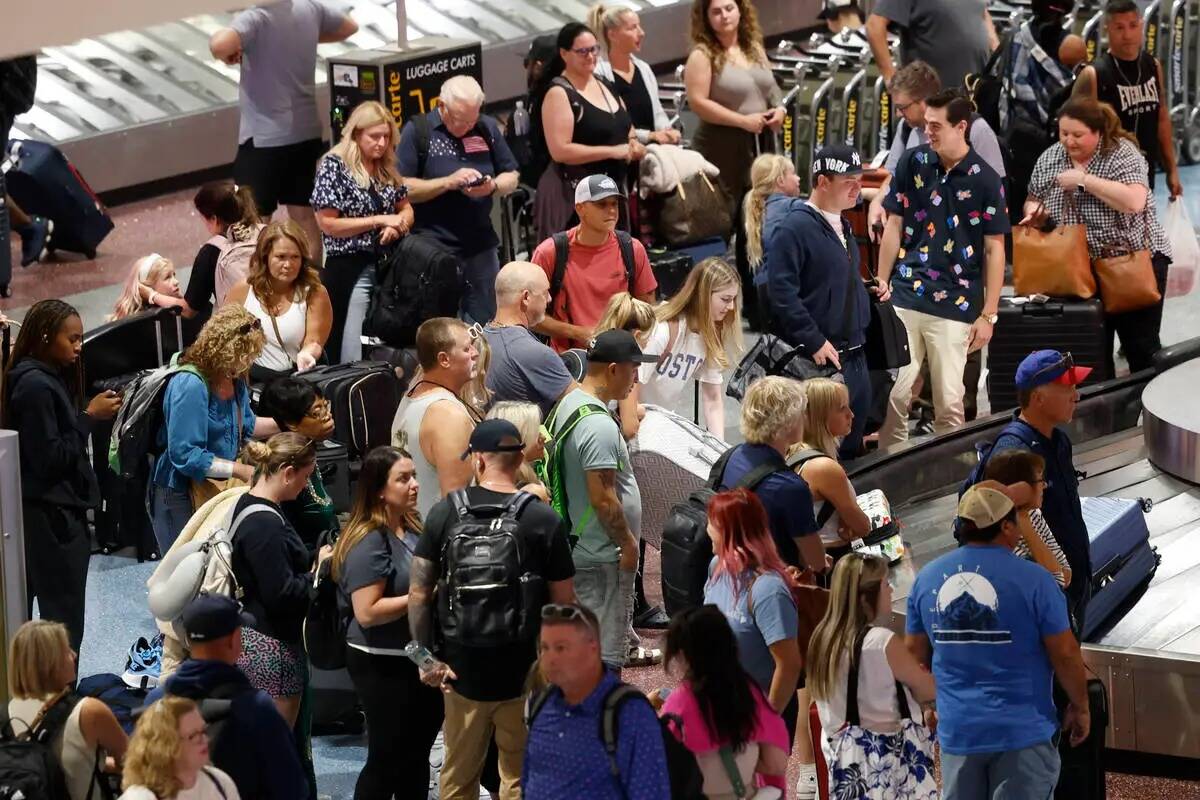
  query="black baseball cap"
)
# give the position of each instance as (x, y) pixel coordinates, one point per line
(617, 347)
(489, 437)
(837, 159)
(542, 48)
(213, 616)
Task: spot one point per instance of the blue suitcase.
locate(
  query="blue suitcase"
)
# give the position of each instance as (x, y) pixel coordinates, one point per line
(1122, 559)
(45, 184)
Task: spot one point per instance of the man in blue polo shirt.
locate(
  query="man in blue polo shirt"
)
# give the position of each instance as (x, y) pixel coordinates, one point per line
(455, 160)
(565, 754)
(945, 242)
(994, 630)
(1046, 393)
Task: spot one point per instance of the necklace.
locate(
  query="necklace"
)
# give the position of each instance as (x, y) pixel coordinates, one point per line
(323, 502)
(1137, 118)
(497, 486)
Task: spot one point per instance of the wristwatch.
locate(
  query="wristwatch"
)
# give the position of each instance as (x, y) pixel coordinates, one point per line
(991, 318)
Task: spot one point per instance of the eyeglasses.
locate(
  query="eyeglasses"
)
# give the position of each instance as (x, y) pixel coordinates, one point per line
(253, 325)
(902, 107)
(319, 410)
(1064, 364)
(584, 52)
(198, 736)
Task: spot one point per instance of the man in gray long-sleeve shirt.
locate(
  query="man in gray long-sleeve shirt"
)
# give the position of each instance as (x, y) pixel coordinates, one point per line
(954, 36)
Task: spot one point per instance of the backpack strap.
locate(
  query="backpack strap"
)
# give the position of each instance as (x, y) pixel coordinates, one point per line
(750, 480)
(732, 772)
(423, 131)
(52, 717)
(562, 249)
(672, 335)
(533, 705)
(220, 789)
(718, 469)
(462, 504)
(609, 727)
(625, 243)
(852, 715)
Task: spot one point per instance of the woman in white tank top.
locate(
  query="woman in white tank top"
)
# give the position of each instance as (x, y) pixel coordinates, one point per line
(283, 290)
(861, 595)
(42, 671)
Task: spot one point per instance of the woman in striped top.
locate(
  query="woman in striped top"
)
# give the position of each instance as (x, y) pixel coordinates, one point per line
(1037, 540)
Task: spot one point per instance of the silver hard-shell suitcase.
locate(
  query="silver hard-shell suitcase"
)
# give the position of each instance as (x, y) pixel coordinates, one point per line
(671, 458)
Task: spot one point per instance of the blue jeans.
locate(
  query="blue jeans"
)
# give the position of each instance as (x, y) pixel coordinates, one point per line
(479, 286)
(608, 591)
(1027, 774)
(356, 315)
(858, 383)
(170, 510)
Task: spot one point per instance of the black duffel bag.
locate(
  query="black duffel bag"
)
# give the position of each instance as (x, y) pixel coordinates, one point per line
(417, 279)
(771, 355)
(887, 338)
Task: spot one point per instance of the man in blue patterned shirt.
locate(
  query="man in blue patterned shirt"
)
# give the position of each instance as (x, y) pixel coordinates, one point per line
(945, 241)
(565, 755)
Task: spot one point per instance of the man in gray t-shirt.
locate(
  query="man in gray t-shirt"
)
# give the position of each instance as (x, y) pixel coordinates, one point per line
(522, 368)
(604, 505)
(954, 36)
(279, 135)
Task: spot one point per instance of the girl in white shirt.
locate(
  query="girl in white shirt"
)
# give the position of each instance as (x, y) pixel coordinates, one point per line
(168, 756)
(695, 333)
(859, 597)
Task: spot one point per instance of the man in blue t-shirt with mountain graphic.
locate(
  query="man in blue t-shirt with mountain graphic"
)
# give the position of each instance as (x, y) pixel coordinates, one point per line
(994, 629)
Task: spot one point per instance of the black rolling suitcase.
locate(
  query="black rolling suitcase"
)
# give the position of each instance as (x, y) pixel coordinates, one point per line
(44, 183)
(363, 397)
(670, 269)
(1081, 776)
(333, 463)
(1075, 326)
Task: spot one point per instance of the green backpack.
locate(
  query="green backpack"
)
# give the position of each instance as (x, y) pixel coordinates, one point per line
(556, 479)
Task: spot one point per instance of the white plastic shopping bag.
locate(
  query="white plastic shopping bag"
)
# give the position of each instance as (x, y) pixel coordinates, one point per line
(1181, 278)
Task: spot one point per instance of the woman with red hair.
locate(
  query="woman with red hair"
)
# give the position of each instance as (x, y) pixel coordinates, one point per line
(749, 583)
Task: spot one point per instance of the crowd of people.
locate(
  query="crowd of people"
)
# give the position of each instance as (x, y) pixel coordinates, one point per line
(489, 571)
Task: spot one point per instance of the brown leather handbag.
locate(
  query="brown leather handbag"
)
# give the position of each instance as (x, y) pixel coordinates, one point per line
(1127, 281)
(1054, 263)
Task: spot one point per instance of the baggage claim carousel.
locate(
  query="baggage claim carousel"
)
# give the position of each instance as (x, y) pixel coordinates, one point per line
(1135, 437)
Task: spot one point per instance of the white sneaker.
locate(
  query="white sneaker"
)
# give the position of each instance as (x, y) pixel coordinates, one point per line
(806, 784)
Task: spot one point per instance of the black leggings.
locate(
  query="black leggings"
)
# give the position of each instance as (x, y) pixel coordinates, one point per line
(403, 719)
(339, 275)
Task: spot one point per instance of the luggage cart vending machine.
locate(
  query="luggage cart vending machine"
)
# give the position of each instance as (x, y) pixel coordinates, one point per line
(1154, 41)
(407, 79)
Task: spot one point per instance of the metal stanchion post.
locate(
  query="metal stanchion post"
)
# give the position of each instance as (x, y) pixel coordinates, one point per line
(12, 550)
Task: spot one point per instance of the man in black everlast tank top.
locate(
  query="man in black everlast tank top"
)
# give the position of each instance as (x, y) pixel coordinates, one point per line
(1131, 81)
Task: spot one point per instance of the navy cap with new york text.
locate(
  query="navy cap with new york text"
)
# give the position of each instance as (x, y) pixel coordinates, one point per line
(837, 159)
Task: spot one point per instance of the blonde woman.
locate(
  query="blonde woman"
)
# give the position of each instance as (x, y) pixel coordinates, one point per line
(849, 636)
(527, 417)
(619, 33)
(206, 418)
(274, 569)
(625, 312)
(694, 334)
(828, 419)
(151, 282)
(770, 176)
(361, 202)
(283, 291)
(371, 565)
(41, 673)
(168, 756)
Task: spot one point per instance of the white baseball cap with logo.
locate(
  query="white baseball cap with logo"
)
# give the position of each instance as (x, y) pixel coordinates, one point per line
(596, 187)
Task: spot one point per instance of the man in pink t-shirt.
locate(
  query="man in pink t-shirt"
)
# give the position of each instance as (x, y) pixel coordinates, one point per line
(596, 266)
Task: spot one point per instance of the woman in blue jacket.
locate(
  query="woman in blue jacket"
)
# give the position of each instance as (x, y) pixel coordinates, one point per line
(207, 419)
(42, 391)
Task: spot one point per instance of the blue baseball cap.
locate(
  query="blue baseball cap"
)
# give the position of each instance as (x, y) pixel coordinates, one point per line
(1042, 367)
(213, 616)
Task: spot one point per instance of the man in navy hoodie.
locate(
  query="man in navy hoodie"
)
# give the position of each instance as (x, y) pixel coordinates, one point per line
(816, 298)
(253, 743)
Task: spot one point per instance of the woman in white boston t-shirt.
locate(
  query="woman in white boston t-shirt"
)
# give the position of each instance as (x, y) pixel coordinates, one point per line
(695, 333)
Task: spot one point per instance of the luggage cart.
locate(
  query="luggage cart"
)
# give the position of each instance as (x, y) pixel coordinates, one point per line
(1183, 71)
(1092, 34)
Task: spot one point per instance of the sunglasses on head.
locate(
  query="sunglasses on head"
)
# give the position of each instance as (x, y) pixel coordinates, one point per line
(557, 612)
(1064, 364)
(253, 325)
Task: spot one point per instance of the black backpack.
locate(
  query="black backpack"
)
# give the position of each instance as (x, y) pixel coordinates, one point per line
(687, 782)
(486, 596)
(562, 249)
(29, 766)
(324, 630)
(686, 549)
(416, 280)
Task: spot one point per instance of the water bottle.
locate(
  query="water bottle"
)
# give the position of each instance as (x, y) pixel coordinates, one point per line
(520, 119)
(419, 654)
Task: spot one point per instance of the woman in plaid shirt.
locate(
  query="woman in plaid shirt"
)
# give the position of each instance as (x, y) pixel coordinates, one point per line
(1096, 174)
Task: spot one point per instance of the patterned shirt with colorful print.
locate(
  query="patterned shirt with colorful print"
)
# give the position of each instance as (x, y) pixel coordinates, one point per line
(946, 215)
